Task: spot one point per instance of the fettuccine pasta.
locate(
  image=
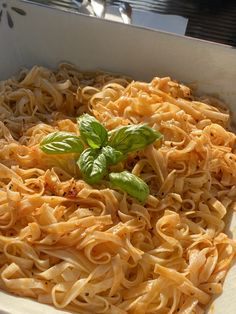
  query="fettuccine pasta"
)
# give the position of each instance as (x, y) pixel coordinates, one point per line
(92, 249)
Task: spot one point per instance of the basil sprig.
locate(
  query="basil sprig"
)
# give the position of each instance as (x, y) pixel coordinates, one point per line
(61, 143)
(112, 155)
(92, 131)
(132, 138)
(99, 149)
(131, 184)
(93, 165)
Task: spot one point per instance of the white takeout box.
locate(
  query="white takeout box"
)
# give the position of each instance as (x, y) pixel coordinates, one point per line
(32, 34)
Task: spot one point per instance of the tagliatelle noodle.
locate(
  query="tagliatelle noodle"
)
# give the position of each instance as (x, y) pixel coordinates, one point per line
(91, 249)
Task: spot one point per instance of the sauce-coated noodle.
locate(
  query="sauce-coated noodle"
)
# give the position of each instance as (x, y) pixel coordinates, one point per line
(94, 249)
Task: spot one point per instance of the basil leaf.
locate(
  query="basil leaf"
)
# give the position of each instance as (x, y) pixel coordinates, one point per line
(61, 143)
(133, 137)
(131, 184)
(112, 155)
(93, 165)
(92, 131)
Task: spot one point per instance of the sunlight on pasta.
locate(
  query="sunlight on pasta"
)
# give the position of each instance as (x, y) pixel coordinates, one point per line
(92, 249)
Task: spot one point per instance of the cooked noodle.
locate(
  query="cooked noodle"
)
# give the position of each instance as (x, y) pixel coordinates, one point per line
(92, 249)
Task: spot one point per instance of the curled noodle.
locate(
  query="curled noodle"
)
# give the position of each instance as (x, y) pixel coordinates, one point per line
(96, 250)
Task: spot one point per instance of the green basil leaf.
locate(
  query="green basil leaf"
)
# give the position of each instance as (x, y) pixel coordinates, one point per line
(112, 155)
(92, 131)
(131, 184)
(61, 143)
(93, 165)
(133, 137)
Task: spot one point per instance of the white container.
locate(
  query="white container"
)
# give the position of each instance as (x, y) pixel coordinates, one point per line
(32, 34)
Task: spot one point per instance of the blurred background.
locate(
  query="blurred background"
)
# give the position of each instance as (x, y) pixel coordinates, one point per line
(213, 20)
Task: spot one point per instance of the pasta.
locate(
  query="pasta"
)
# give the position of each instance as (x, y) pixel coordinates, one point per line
(92, 249)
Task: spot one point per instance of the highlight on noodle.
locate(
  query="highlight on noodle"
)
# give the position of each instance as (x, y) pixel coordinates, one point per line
(91, 246)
